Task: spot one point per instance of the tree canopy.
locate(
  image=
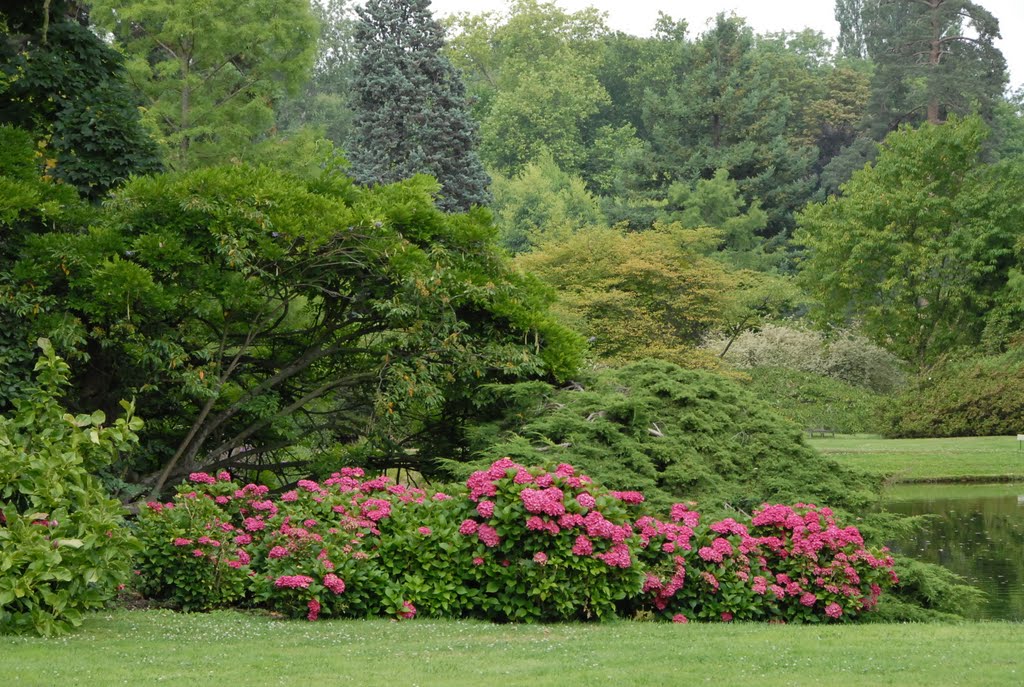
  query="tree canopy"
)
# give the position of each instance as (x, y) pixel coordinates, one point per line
(62, 83)
(211, 71)
(923, 245)
(257, 316)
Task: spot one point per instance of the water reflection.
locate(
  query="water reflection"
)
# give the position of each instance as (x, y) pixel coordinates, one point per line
(978, 533)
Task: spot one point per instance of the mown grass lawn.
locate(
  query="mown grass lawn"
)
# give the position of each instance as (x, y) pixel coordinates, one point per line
(922, 460)
(228, 648)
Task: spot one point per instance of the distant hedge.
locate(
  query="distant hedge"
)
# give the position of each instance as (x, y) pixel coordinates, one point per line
(981, 396)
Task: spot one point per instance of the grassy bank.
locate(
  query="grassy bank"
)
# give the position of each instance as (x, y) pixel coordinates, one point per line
(150, 647)
(967, 459)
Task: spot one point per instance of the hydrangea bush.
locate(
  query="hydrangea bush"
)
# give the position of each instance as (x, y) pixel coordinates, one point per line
(517, 543)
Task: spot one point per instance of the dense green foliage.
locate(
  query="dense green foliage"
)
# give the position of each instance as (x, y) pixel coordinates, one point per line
(411, 115)
(812, 400)
(256, 315)
(932, 59)
(637, 294)
(923, 248)
(64, 547)
(671, 433)
(211, 72)
(979, 396)
(61, 82)
(29, 205)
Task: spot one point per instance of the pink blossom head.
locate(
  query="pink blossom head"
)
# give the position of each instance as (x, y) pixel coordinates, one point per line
(201, 478)
(540, 558)
(334, 583)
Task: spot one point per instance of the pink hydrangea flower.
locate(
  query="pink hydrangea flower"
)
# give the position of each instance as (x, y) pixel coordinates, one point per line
(201, 478)
(468, 527)
(488, 535)
(586, 500)
(631, 497)
(540, 558)
(833, 610)
(293, 582)
(617, 557)
(726, 617)
(278, 552)
(440, 496)
(254, 524)
(583, 546)
(290, 496)
(198, 553)
(181, 541)
(808, 599)
(652, 583)
(425, 531)
(334, 583)
(485, 508)
(478, 561)
(522, 477)
(410, 611)
(314, 610)
(680, 618)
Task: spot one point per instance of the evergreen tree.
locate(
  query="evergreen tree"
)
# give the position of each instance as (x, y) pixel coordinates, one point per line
(410, 104)
(933, 58)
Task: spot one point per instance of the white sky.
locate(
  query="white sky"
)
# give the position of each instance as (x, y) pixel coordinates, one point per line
(638, 16)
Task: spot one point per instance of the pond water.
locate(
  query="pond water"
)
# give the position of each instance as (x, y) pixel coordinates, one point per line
(977, 532)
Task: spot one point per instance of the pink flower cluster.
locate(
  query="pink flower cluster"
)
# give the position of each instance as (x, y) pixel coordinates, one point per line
(334, 583)
(544, 501)
(293, 582)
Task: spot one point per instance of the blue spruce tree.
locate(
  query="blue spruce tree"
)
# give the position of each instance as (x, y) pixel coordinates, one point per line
(411, 115)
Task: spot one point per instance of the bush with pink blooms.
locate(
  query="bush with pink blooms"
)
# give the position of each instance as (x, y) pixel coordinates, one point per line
(517, 543)
(788, 564)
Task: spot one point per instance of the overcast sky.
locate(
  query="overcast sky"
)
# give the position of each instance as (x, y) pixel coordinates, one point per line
(638, 16)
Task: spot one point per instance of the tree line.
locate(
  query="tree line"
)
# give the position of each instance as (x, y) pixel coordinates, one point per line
(285, 228)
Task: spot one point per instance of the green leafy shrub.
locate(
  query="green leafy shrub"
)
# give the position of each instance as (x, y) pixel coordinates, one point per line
(668, 432)
(813, 400)
(64, 548)
(847, 356)
(981, 396)
(190, 528)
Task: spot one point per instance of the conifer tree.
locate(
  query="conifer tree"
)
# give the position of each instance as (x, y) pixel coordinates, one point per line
(411, 114)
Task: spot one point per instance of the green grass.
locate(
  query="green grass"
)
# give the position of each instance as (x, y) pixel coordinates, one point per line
(924, 460)
(225, 648)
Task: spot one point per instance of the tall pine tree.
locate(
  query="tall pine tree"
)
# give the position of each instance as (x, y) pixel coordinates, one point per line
(411, 110)
(933, 58)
